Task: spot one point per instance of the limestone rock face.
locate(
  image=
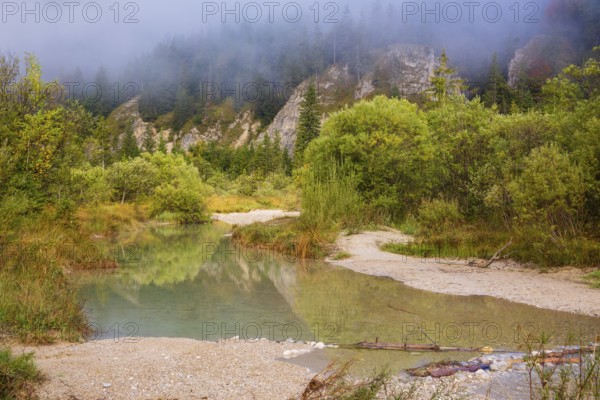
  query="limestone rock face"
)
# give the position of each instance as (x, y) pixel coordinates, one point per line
(542, 57)
(403, 69)
(407, 68)
(331, 86)
(241, 130)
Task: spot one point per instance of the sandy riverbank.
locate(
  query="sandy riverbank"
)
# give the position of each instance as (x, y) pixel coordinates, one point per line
(561, 289)
(254, 216)
(172, 368)
(168, 368)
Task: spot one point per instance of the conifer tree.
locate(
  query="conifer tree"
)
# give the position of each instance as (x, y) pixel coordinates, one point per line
(309, 123)
(497, 91)
(149, 143)
(444, 84)
(129, 147)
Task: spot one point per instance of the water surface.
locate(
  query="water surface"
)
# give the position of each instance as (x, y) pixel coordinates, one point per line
(193, 282)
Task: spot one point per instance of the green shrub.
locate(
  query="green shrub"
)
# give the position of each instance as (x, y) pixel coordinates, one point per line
(330, 198)
(549, 197)
(437, 216)
(182, 200)
(246, 185)
(18, 375)
(594, 279)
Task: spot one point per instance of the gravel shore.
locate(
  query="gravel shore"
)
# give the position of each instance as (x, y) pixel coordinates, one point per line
(168, 368)
(561, 289)
(254, 216)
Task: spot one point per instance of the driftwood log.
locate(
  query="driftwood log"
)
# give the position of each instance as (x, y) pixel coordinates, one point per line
(413, 347)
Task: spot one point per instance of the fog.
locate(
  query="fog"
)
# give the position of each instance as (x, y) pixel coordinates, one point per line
(87, 35)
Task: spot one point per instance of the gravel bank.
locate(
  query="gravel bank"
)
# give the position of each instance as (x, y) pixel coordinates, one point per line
(561, 289)
(167, 368)
(254, 216)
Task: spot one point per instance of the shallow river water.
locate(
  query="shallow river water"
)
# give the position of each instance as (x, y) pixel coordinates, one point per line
(193, 282)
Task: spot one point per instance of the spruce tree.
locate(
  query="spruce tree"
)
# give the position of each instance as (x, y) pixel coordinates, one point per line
(162, 145)
(129, 147)
(443, 82)
(149, 143)
(309, 123)
(497, 91)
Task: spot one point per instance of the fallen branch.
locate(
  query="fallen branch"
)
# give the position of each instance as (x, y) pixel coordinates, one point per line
(412, 347)
(400, 309)
(497, 256)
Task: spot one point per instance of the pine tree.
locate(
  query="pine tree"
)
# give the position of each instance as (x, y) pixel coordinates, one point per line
(278, 150)
(287, 163)
(443, 82)
(129, 147)
(497, 91)
(149, 143)
(162, 145)
(309, 123)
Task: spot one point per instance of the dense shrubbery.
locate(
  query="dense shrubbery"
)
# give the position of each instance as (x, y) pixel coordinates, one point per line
(386, 143)
(533, 175)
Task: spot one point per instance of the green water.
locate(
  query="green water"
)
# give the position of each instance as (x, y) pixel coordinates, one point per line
(193, 282)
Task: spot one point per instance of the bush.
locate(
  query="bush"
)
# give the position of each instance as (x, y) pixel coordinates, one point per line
(437, 216)
(387, 143)
(330, 198)
(182, 200)
(246, 185)
(549, 197)
(17, 375)
(90, 185)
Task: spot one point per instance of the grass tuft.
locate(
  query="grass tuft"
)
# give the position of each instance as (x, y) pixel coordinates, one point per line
(18, 376)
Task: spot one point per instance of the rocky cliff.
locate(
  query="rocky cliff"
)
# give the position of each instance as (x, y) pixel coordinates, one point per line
(234, 128)
(401, 70)
(541, 58)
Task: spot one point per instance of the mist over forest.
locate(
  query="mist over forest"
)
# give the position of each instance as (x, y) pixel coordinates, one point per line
(243, 41)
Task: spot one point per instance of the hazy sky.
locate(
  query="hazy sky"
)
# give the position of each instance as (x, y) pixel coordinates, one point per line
(67, 34)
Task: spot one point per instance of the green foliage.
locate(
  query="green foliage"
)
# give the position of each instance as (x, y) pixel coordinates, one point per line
(330, 199)
(438, 215)
(265, 158)
(18, 375)
(443, 81)
(129, 147)
(90, 185)
(342, 255)
(551, 198)
(497, 92)
(388, 145)
(287, 236)
(462, 152)
(594, 279)
(149, 142)
(133, 178)
(182, 200)
(179, 188)
(309, 123)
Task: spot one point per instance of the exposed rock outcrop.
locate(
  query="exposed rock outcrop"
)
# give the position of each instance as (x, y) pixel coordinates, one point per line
(332, 86)
(405, 68)
(541, 58)
(239, 132)
(400, 69)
